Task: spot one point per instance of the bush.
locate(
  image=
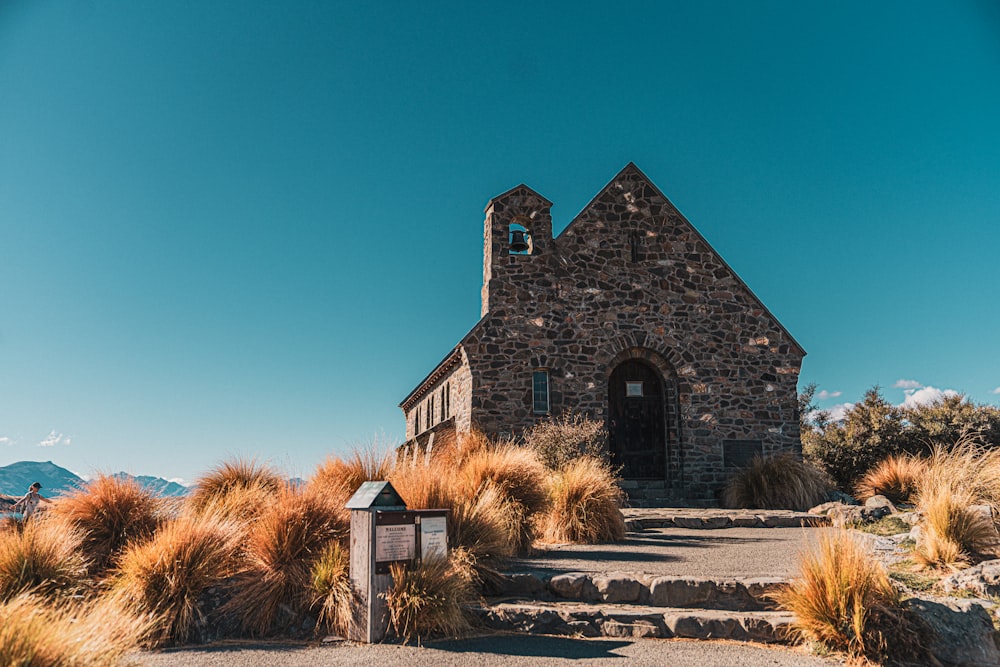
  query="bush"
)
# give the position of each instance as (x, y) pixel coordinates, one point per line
(871, 431)
(281, 549)
(566, 438)
(843, 599)
(331, 587)
(428, 600)
(895, 477)
(779, 482)
(236, 489)
(165, 576)
(43, 557)
(110, 512)
(35, 633)
(584, 504)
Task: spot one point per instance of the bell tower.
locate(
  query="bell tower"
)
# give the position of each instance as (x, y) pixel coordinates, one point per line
(517, 247)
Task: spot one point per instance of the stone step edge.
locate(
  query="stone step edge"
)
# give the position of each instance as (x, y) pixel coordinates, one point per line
(750, 594)
(798, 520)
(767, 627)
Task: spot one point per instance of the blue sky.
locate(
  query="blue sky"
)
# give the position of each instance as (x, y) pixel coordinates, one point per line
(249, 228)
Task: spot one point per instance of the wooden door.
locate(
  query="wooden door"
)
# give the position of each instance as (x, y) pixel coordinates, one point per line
(636, 421)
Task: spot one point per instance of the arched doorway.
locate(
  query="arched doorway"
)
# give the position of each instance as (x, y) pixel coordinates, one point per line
(637, 424)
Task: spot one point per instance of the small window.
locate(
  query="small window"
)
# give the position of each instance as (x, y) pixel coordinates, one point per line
(416, 421)
(633, 242)
(633, 389)
(540, 392)
(430, 412)
(445, 401)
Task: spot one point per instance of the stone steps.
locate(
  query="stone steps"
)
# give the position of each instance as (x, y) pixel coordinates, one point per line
(631, 588)
(625, 620)
(637, 519)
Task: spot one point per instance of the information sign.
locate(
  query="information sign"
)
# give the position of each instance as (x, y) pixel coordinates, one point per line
(433, 536)
(395, 542)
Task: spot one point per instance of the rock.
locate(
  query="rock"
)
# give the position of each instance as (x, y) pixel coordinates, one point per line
(747, 521)
(826, 507)
(681, 592)
(880, 502)
(573, 586)
(522, 584)
(618, 588)
(841, 497)
(983, 579)
(963, 633)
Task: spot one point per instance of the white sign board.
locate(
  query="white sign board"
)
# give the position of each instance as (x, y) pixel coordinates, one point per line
(394, 543)
(433, 536)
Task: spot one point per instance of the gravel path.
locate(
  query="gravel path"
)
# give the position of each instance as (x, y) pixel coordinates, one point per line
(491, 651)
(719, 554)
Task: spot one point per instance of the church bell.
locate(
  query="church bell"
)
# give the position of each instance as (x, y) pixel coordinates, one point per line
(518, 242)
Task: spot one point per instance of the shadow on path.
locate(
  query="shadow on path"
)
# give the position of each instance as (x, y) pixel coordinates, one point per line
(534, 647)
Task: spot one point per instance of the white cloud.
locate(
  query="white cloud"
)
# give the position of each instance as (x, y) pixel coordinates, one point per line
(996, 391)
(907, 384)
(53, 439)
(926, 396)
(834, 414)
(823, 395)
(4, 440)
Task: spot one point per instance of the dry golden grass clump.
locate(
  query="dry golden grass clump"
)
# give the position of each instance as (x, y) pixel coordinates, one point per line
(43, 557)
(110, 512)
(477, 522)
(239, 489)
(779, 482)
(429, 600)
(956, 479)
(895, 477)
(843, 599)
(165, 575)
(282, 546)
(331, 589)
(519, 477)
(36, 633)
(584, 504)
(339, 478)
(953, 533)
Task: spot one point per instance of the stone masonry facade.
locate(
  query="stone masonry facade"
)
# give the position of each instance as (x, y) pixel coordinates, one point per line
(628, 280)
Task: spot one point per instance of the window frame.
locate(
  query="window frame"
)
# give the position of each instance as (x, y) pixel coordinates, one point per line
(536, 392)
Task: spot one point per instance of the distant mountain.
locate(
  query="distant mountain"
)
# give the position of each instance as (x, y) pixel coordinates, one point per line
(157, 485)
(17, 477)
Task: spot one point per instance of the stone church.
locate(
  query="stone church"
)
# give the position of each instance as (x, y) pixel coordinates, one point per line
(630, 317)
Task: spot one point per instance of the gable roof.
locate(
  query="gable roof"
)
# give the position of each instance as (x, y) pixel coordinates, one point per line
(631, 168)
(523, 188)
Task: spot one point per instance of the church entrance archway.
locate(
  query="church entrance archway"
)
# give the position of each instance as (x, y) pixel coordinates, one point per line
(637, 420)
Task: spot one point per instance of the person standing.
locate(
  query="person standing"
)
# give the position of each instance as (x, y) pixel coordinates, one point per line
(29, 503)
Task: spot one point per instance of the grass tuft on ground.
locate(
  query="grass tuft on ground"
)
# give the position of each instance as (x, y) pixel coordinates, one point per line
(779, 482)
(428, 600)
(843, 599)
(238, 489)
(584, 504)
(895, 477)
(43, 556)
(110, 513)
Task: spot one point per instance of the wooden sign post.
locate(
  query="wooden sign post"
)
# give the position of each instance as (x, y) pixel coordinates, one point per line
(384, 532)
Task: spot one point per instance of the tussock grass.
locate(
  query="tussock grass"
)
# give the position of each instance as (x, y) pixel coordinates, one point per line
(519, 477)
(165, 575)
(952, 533)
(843, 599)
(110, 512)
(956, 478)
(584, 504)
(282, 546)
(239, 489)
(778, 482)
(333, 596)
(895, 477)
(451, 449)
(43, 557)
(478, 521)
(339, 478)
(428, 600)
(36, 633)
(565, 438)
